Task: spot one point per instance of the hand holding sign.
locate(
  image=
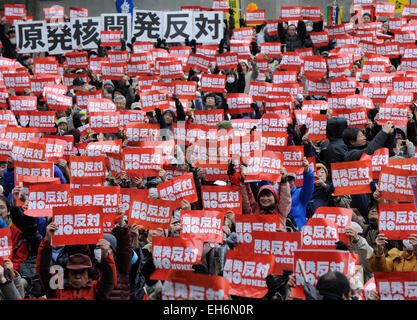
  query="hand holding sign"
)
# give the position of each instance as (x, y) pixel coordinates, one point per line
(104, 245)
(381, 241)
(51, 228)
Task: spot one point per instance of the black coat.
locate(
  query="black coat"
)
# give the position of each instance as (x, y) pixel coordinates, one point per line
(336, 149)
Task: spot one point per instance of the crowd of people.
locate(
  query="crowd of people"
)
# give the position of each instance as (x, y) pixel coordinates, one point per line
(120, 265)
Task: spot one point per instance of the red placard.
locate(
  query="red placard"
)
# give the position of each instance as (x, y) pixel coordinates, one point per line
(247, 271)
(58, 101)
(177, 189)
(396, 285)
(14, 12)
(106, 197)
(271, 49)
(317, 131)
(319, 233)
(22, 103)
(77, 225)
(352, 177)
(320, 39)
(68, 79)
(188, 285)
(199, 62)
(142, 162)
(42, 198)
(406, 164)
(259, 90)
(241, 47)
(343, 85)
(18, 133)
(228, 60)
(143, 46)
(18, 81)
(394, 184)
(318, 262)
(396, 114)
(171, 70)
(105, 122)
(33, 169)
(273, 123)
(291, 13)
(397, 220)
(358, 101)
(54, 148)
(379, 159)
(174, 253)
(87, 169)
(82, 97)
(409, 11)
(154, 99)
(95, 63)
(77, 60)
(111, 38)
(222, 198)
(185, 89)
(28, 151)
(6, 148)
(291, 61)
(356, 117)
(45, 66)
(54, 13)
(6, 245)
(247, 224)
(113, 71)
(243, 33)
(213, 82)
(118, 57)
(255, 17)
(137, 132)
(78, 13)
(202, 225)
(265, 167)
(42, 121)
(272, 27)
(239, 103)
(342, 217)
(100, 105)
(314, 67)
(280, 244)
(311, 13)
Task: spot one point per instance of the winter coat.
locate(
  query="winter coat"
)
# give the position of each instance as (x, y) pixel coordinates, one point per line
(95, 290)
(396, 260)
(282, 200)
(300, 198)
(322, 197)
(123, 259)
(298, 41)
(336, 149)
(364, 250)
(381, 140)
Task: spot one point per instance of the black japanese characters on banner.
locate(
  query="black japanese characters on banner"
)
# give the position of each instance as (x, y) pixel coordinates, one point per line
(205, 27)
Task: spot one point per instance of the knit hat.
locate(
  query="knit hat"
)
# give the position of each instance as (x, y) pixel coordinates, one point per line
(79, 261)
(108, 82)
(320, 165)
(112, 239)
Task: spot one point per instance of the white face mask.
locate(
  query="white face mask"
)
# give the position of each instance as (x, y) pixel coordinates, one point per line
(230, 80)
(309, 28)
(13, 41)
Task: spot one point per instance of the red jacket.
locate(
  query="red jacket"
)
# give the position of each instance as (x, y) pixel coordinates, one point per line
(283, 201)
(20, 251)
(96, 290)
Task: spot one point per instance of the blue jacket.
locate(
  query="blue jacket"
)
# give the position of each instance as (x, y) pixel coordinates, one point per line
(300, 198)
(3, 224)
